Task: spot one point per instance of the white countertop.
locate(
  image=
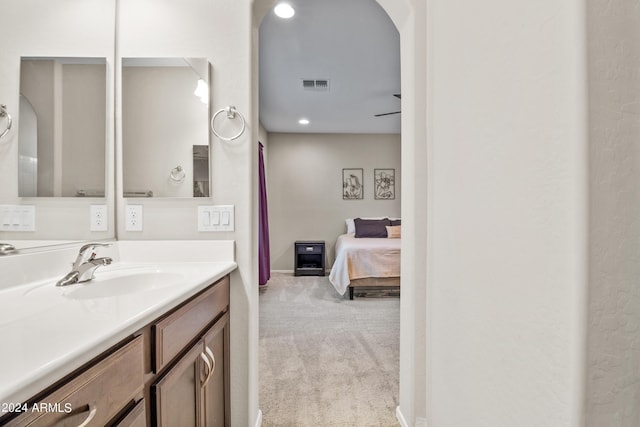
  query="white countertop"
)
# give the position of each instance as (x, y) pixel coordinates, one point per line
(49, 331)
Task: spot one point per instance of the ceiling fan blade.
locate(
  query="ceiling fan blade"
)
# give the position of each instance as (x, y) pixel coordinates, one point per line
(386, 114)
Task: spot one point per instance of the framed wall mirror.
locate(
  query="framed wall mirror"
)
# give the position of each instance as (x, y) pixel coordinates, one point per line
(165, 127)
(62, 127)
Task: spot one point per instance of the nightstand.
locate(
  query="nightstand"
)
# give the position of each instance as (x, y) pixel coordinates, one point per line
(308, 258)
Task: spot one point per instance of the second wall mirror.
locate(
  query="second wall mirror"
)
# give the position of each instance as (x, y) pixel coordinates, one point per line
(165, 132)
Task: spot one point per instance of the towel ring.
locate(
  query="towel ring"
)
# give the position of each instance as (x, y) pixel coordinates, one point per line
(177, 174)
(231, 114)
(5, 113)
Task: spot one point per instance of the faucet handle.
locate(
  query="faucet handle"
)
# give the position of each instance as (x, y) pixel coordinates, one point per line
(84, 249)
(94, 245)
(7, 248)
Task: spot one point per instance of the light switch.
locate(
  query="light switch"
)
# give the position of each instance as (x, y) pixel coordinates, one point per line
(205, 218)
(7, 213)
(26, 218)
(17, 217)
(215, 218)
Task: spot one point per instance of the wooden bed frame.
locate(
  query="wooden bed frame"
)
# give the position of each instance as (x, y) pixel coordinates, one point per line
(374, 284)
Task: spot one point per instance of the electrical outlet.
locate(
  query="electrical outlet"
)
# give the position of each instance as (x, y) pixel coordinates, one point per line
(98, 218)
(133, 220)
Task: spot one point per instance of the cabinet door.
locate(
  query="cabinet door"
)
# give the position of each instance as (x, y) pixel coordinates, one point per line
(176, 396)
(216, 394)
(136, 417)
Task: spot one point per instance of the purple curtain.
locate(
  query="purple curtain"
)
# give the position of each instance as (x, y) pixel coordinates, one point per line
(264, 258)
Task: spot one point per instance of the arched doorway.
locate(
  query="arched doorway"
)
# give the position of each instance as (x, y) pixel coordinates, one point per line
(409, 17)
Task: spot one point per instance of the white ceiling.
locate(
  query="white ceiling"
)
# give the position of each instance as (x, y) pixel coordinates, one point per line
(352, 43)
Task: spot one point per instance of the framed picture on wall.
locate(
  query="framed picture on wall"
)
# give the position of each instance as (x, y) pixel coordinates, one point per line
(384, 184)
(352, 184)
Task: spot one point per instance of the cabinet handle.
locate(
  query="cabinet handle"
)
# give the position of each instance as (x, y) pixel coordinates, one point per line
(92, 413)
(212, 364)
(212, 357)
(208, 363)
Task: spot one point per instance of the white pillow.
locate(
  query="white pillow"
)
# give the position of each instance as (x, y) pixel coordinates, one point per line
(351, 226)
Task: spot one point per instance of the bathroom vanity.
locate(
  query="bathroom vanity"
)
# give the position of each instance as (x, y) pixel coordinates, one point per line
(145, 343)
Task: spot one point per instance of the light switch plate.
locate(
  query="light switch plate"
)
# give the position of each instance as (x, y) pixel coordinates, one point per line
(216, 218)
(98, 218)
(133, 218)
(17, 218)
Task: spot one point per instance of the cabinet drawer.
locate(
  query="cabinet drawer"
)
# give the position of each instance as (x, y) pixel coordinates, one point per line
(175, 331)
(309, 249)
(100, 392)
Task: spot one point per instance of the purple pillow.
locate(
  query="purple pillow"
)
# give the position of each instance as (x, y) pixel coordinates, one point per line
(371, 227)
(395, 222)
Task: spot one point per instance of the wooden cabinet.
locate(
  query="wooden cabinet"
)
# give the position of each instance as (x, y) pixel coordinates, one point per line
(96, 395)
(192, 390)
(173, 372)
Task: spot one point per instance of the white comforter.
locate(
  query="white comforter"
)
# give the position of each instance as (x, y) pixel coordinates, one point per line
(364, 257)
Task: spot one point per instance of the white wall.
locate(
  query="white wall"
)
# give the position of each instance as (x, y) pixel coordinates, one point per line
(221, 33)
(63, 28)
(507, 235)
(613, 354)
(304, 180)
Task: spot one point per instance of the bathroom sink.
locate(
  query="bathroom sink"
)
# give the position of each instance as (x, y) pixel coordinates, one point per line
(117, 284)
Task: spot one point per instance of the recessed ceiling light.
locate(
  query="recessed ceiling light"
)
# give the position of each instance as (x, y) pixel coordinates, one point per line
(303, 121)
(284, 10)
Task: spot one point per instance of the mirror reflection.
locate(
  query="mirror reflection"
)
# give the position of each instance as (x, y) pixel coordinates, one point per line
(165, 128)
(62, 127)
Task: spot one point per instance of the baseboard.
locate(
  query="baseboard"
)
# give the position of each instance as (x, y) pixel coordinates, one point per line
(400, 417)
(326, 271)
(258, 419)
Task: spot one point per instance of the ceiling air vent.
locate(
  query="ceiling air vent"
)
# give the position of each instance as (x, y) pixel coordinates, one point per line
(315, 84)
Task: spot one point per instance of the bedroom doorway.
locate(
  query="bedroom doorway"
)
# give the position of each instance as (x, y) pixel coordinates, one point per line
(285, 138)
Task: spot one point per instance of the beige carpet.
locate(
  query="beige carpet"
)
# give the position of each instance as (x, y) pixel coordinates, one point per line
(324, 360)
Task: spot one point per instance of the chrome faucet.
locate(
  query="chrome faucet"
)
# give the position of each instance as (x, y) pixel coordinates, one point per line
(7, 248)
(82, 271)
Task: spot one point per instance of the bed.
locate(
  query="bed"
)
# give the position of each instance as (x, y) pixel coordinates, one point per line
(366, 264)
